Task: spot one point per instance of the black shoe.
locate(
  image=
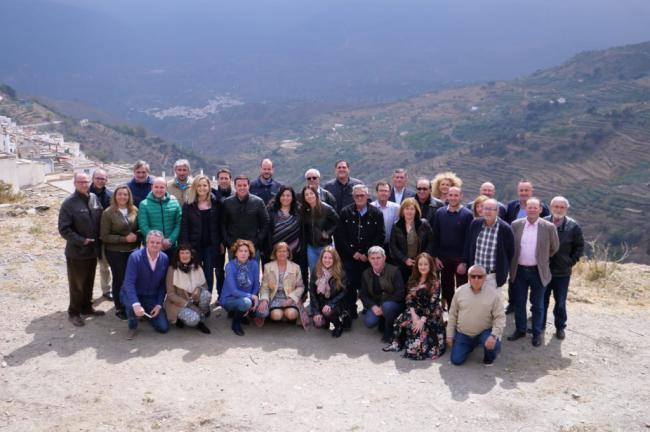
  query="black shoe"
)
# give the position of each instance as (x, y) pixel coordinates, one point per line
(180, 324)
(203, 328)
(510, 309)
(108, 296)
(516, 335)
(346, 322)
(354, 314)
(382, 325)
(560, 334)
(537, 340)
(529, 330)
(76, 320)
(121, 315)
(487, 361)
(236, 324)
(337, 332)
(93, 312)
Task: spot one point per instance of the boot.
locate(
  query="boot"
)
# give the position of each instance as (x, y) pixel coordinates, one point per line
(337, 331)
(236, 324)
(202, 328)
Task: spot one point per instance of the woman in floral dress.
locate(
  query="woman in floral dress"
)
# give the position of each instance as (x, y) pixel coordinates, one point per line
(420, 329)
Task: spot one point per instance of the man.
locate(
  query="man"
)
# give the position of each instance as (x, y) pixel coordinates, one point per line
(490, 244)
(489, 190)
(224, 185)
(389, 209)
(399, 192)
(144, 290)
(265, 186)
(536, 240)
(361, 226)
(244, 216)
(179, 186)
(79, 220)
(312, 178)
(382, 293)
(476, 317)
(449, 229)
(341, 186)
(103, 194)
(141, 182)
(517, 208)
(161, 212)
(572, 245)
(428, 204)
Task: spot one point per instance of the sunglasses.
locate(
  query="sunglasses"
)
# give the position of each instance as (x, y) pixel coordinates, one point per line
(312, 178)
(423, 188)
(476, 276)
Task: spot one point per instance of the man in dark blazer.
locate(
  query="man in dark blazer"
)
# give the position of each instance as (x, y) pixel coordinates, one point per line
(536, 241)
(490, 243)
(517, 208)
(399, 191)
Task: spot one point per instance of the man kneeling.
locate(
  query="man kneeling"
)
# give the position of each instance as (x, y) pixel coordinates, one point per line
(143, 291)
(476, 316)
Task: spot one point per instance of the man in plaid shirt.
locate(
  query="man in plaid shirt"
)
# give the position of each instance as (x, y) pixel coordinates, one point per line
(490, 243)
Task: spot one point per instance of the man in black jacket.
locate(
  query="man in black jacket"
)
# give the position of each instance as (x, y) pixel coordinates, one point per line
(341, 186)
(517, 208)
(244, 216)
(572, 245)
(265, 186)
(312, 178)
(428, 204)
(361, 226)
(221, 192)
(79, 220)
(103, 194)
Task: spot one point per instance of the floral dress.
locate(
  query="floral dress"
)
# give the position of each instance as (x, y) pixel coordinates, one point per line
(430, 342)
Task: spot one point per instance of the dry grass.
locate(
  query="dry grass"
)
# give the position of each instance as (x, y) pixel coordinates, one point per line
(620, 283)
(7, 195)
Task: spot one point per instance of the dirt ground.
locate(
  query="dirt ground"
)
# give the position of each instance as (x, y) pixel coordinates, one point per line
(56, 377)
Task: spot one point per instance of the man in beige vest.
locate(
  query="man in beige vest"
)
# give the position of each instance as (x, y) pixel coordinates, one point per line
(536, 241)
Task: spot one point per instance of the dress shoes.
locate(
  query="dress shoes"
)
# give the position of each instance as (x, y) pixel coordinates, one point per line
(516, 336)
(560, 334)
(537, 340)
(93, 312)
(76, 320)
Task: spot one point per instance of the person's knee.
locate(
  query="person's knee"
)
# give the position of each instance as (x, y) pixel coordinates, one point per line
(291, 314)
(244, 304)
(162, 326)
(370, 320)
(276, 315)
(457, 358)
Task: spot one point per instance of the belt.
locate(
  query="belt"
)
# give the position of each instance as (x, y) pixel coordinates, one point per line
(528, 267)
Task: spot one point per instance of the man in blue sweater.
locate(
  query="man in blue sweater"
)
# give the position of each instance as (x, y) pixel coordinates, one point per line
(141, 182)
(143, 291)
(449, 229)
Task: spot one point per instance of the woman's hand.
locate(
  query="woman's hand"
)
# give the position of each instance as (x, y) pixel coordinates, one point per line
(264, 305)
(409, 262)
(131, 238)
(327, 310)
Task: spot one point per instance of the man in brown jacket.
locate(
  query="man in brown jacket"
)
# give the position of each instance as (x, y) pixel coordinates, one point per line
(536, 241)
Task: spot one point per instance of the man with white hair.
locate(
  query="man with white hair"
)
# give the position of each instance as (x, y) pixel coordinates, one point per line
(572, 245)
(143, 291)
(79, 220)
(161, 212)
(312, 178)
(104, 194)
(179, 186)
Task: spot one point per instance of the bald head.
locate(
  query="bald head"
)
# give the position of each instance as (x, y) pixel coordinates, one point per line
(159, 187)
(488, 189)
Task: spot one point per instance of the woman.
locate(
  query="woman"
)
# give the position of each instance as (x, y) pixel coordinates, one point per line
(420, 329)
(284, 221)
(118, 232)
(319, 222)
(327, 287)
(188, 298)
(410, 236)
(242, 284)
(477, 205)
(282, 287)
(200, 226)
(442, 182)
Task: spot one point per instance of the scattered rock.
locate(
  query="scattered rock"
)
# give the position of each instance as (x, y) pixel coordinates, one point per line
(42, 208)
(575, 395)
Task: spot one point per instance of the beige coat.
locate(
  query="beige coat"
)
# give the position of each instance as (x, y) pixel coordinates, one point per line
(293, 285)
(176, 192)
(177, 297)
(548, 244)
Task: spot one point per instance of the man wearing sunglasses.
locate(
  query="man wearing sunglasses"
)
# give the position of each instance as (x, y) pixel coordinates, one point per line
(476, 316)
(312, 178)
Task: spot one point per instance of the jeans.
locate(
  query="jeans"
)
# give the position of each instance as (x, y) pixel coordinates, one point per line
(117, 261)
(464, 345)
(390, 310)
(529, 277)
(208, 263)
(559, 286)
(313, 252)
(159, 323)
(449, 279)
(242, 304)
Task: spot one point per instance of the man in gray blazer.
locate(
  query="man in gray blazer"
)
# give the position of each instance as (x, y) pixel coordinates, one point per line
(536, 241)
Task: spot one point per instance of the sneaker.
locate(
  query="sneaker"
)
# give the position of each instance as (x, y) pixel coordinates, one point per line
(76, 320)
(131, 334)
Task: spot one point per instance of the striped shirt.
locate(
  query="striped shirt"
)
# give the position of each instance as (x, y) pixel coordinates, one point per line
(486, 247)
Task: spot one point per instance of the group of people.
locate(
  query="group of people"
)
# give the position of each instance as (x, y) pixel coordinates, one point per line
(427, 266)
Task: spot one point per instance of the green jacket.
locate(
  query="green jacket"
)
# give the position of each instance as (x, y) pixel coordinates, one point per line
(162, 215)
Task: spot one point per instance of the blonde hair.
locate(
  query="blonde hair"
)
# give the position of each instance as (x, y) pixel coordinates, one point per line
(448, 175)
(479, 200)
(337, 269)
(192, 195)
(410, 202)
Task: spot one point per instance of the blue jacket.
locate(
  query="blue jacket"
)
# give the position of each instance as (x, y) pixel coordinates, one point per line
(140, 190)
(139, 280)
(264, 191)
(505, 247)
(231, 289)
(513, 211)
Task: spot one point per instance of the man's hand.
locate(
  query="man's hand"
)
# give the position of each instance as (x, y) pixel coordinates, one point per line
(138, 310)
(357, 256)
(450, 341)
(88, 241)
(155, 311)
(166, 244)
(439, 264)
(461, 269)
(490, 342)
(377, 310)
(409, 262)
(327, 310)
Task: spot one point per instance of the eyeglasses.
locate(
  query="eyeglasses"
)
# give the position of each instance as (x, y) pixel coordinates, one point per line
(360, 196)
(312, 178)
(422, 188)
(101, 178)
(476, 276)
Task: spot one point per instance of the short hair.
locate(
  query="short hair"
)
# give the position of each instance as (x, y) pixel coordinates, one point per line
(242, 242)
(77, 174)
(141, 164)
(265, 160)
(380, 183)
(242, 177)
(154, 233)
(424, 179)
(491, 200)
(539, 201)
(360, 186)
(314, 170)
(524, 181)
(410, 202)
(477, 267)
(99, 170)
(278, 246)
(377, 250)
(182, 162)
(561, 198)
(224, 170)
(347, 164)
(400, 171)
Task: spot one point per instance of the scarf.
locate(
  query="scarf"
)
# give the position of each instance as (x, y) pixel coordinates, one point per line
(181, 186)
(189, 281)
(323, 283)
(243, 281)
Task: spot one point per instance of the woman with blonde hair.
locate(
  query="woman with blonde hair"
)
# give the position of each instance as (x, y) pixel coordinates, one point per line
(442, 182)
(477, 205)
(327, 288)
(119, 234)
(410, 236)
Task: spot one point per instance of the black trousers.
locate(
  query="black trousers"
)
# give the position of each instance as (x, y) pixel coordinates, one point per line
(353, 271)
(117, 262)
(219, 270)
(81, 277)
